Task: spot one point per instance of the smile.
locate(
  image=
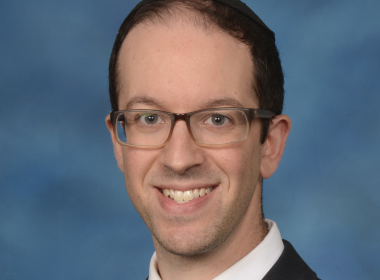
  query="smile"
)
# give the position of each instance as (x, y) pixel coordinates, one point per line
(186, 196)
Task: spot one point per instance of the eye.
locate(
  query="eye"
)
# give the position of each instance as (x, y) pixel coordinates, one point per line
(150, 119)
(217, 119)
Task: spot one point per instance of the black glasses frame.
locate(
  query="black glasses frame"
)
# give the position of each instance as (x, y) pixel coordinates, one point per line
(249, 112)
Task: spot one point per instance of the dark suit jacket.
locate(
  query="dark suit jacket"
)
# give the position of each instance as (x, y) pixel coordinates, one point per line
(289, 266)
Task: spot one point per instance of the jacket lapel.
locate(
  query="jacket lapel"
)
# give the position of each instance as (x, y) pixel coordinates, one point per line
(290, 266)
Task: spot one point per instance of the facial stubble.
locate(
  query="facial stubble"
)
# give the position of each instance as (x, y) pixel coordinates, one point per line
(228, 217)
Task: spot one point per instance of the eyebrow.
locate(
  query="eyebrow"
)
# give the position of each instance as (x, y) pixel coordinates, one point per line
(145, 100)
(219, 102)
(214, 103)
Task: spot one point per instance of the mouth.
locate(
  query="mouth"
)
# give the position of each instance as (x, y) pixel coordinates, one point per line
(186, 196)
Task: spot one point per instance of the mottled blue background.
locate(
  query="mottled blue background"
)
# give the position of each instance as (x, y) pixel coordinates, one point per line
(64, 211)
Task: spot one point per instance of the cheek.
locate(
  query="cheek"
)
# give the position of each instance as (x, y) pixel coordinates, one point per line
(137, 163)
(237, 161)
(232, 162)
(241, 164)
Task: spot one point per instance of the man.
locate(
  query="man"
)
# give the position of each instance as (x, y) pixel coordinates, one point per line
(196, 90)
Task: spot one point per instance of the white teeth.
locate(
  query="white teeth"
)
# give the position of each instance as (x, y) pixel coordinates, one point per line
(195, 193)
(186, 196)
(172, 194)
(166, 192)
(202, 192)
(178, 195)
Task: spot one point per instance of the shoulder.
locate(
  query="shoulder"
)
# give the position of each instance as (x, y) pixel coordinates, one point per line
(290, 266)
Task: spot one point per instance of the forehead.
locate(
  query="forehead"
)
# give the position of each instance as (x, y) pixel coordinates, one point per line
(183, 67)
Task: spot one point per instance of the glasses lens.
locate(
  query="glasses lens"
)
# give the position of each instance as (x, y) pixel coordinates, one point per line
(143, 128)
(220, 126)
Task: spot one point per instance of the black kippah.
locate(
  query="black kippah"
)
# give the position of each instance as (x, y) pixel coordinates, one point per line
(245, 10)
(235, 4)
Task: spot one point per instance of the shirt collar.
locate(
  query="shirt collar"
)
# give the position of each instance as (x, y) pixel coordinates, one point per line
(256, 263)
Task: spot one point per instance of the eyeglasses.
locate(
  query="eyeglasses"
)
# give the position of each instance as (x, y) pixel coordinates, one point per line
(209, 127)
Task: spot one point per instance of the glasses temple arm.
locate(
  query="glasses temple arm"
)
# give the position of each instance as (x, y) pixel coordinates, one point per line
(264, 114)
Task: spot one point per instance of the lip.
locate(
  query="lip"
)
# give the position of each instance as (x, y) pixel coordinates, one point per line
(186, 187)
(172, 207)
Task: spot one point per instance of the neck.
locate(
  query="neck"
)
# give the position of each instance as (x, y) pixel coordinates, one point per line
(242, 240)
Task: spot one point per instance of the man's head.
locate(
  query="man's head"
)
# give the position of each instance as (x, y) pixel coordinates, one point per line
(267, 80)
(179, 59)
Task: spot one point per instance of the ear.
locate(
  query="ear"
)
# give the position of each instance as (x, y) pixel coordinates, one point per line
(274, 145)
(118, 149)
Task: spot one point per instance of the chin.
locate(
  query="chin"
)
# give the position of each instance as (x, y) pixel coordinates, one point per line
(187, 249)
(188, 243)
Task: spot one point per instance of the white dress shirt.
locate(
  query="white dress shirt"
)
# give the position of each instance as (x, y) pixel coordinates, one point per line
(255, 265)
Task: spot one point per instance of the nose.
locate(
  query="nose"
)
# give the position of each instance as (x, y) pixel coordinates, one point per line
(181, 153)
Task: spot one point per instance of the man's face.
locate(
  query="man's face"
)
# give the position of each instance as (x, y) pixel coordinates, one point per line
(181, 68)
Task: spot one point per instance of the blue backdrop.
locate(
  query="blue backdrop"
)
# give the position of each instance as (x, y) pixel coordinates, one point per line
(64, 211)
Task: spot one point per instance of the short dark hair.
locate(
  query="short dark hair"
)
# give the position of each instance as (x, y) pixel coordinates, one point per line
(268, 78)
